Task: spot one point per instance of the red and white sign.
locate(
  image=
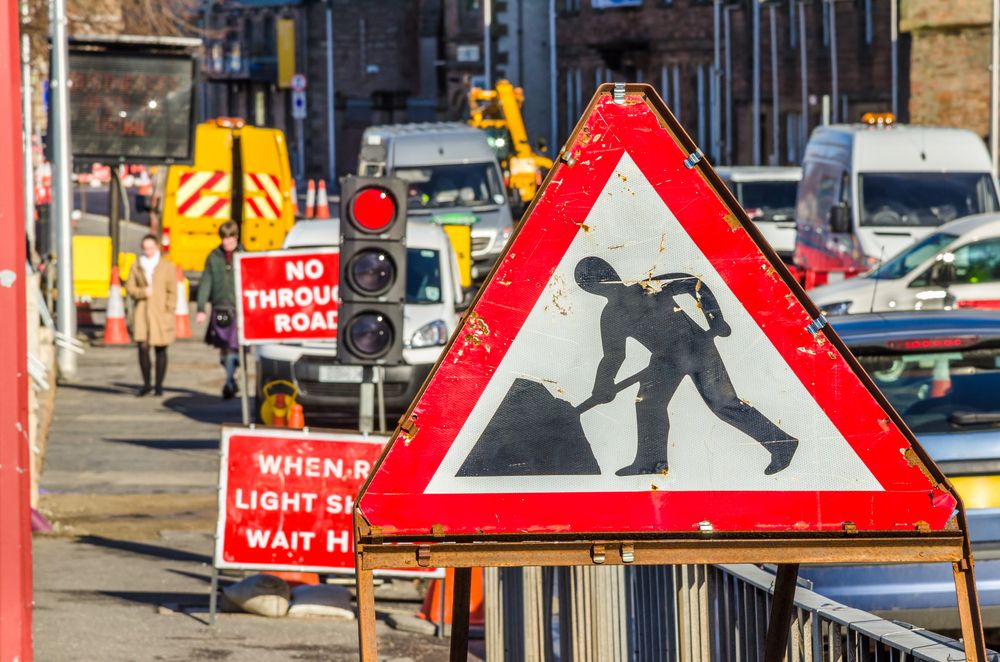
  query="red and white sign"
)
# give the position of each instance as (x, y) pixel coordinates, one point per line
(287, 295)
(286, 499)
(639, 363)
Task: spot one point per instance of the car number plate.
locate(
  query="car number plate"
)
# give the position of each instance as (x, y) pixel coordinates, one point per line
(351, 374)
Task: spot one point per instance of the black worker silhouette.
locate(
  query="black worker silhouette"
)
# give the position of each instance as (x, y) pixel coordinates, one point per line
(534, 433)
(679, 347)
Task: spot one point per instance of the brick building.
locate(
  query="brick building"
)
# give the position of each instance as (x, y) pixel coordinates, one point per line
(385, 56)
(671, 45)
(949, 62)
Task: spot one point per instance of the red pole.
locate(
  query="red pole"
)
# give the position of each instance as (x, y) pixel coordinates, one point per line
(15, 473)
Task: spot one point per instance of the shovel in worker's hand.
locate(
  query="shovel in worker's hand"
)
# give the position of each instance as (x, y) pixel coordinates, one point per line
(534, 433)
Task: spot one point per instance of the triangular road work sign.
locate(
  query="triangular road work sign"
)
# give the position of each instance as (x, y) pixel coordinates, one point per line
(640, 361)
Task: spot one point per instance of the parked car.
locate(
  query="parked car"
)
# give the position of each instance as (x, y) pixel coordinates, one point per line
(327, 389)
(941, 372)
(871, 189)
(453, 177)
(958, 266)
(768, 195)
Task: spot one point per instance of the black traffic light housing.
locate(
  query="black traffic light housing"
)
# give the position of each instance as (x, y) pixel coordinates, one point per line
(372, 270)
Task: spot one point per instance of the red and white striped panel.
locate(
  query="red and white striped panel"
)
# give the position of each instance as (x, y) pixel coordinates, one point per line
(261, 196)
(204, 194)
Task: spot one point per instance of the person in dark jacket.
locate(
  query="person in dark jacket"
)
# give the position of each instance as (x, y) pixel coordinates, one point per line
(218, 287)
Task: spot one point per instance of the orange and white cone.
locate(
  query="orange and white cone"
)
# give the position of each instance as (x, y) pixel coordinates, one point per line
(295, 200)
(115, 331)
(311, 199)
(322, 202)
(183, 316)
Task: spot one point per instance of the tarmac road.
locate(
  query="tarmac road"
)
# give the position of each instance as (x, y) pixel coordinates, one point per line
(130, 486)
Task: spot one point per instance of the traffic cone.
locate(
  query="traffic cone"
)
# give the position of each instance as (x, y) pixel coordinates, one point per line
(280, 419)
(431, 609)
(295, 200)
(183, 323)
(115, 331)
(294, 579)
(322, 202)
(296, 417)
(311, 199)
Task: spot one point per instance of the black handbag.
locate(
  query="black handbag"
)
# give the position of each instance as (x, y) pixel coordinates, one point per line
(223, 318)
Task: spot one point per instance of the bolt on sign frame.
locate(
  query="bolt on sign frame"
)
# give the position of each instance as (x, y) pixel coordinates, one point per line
(481, 470)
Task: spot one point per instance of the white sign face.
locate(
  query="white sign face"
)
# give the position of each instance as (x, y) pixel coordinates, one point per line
(710, 445)
(299, 83)
(298, 105)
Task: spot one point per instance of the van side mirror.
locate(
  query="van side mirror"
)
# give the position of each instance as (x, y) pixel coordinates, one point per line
(840, 218)
(943, 273)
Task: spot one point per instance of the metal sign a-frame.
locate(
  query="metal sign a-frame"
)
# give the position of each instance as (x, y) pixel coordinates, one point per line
(930, 525)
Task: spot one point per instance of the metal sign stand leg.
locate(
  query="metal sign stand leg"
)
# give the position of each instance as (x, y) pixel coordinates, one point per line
(244, 396)
(368, 644)
(782, 606)
(213, 597)
(366, 404)
(461, 596)
(379, 374)
(968, 609)
(443, 615)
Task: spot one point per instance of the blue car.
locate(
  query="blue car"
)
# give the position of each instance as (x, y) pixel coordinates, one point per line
(941, 372)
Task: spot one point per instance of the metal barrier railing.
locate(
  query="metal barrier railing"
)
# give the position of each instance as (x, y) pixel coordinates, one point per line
(692, 613)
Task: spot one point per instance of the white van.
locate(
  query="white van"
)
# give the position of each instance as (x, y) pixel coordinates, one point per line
(433, 291)
(870, 190)
(453, 177)
(956, 266)
(767, 194)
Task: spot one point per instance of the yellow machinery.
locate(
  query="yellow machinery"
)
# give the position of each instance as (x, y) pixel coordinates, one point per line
(498, 112)
(232, 161)
(92, 266)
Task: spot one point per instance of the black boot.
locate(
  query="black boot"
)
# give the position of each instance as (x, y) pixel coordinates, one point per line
(144, 369)
(781, 452)
(161, 369)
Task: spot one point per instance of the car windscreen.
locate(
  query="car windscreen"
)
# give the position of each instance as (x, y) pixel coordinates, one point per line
(768, 201)
(940, 391)
(445, 186)
(923, 198)
(912, 257)
(423, 275)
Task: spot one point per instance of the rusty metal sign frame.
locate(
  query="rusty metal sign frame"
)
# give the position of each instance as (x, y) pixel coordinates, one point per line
(375, 550)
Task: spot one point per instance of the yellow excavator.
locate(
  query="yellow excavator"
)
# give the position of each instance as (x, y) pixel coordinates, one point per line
(498, 113)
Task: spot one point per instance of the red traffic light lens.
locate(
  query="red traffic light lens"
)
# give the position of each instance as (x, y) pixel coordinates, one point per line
(373, 209)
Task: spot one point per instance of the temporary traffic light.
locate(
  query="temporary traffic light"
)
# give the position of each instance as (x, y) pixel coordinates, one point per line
(372, 270)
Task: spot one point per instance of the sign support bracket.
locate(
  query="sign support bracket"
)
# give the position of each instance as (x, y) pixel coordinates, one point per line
(782, 606)
(245, 385)
(213, 596)
(375, 551)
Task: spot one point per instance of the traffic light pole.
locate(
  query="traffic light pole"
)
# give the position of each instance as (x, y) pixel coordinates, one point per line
(15, 526)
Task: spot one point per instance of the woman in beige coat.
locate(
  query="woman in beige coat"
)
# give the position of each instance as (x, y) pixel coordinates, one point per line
(153, 284)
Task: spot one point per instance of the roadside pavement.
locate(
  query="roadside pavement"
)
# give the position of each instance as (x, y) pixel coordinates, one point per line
(129, 484)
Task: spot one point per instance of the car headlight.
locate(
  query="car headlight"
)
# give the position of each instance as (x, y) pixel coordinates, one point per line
(838, 308)
(434, 334)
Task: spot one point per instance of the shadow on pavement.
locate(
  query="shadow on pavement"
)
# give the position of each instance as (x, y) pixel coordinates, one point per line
(159, 597)
(169, 444)
(117, 388)
(205, 408)
(145, 549)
